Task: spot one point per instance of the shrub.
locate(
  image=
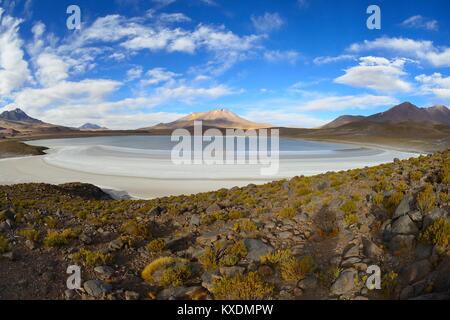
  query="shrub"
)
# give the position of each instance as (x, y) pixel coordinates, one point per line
(174, 271)
(133, 228)
(215, 255)
(426, 200)
(276, 257)
(30, 234)
(92, 258)
(415, 175)
(4, 244)
(287, 213)
(58, 239)
(175, 275)
(156, 245)
(445, 173)
(295, 270)
(326, 222)
(350, 219)
(438, 233)
(242, 287)
(50, 222)
(348, 207)
(378, 199)
(388, 283)
(245, 225)
(393, 201)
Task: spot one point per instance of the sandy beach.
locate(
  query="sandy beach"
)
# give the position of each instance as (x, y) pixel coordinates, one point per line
(149, 173)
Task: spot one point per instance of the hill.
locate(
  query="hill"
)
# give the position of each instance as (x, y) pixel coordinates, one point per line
(303, 238)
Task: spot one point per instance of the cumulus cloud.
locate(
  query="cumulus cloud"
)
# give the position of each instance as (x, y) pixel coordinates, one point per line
(419, 22)
(159, 75)
(418, 49)
(378, 74)
(268, 22)
(134, 73)
(287, 118)
(14, 71)
(435, 84)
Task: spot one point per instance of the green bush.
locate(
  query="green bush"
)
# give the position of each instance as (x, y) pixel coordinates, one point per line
(438, 233)
(242, 287)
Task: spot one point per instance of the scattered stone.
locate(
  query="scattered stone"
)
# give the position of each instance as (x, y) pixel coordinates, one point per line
(416, 271)
(404, 207)
(195, 220)
(402, 242)
(213, 208)
(370, 249)
(69, 294)
(30, 244)
(116, 244)
(404, 225)
(96, 288)
(131, 295)
(156, 211)
(231, 271)
(309, 283)
(345, 283)
(256, 248)
(104, 271)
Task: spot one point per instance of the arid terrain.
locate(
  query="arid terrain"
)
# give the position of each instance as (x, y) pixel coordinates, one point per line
(306, 238)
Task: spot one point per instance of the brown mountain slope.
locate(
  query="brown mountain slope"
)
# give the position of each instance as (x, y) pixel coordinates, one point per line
(220, 118)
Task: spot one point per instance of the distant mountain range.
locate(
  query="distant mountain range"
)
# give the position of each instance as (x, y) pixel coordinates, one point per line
(18, 115)
(220, 118)
(405, 112)
(91, 126)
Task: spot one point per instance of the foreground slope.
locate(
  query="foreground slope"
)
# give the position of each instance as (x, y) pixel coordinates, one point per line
(309, 237)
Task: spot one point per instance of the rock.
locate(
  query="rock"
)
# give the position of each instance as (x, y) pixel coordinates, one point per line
(104, 271)
(370, 249)
(442, 277)
(396, 160)
(351, 251)
(9, 255)
(207, 238)
(345, 283)
(404, 225)
(407, 292)
(402, 242)
(423, 251)
(416, 271)
(285, 235)
(309, 283)
(195, 220)
(416, 216)
(433, 215)
(131, 295)
(360, 298)
(196, 293)
(85, 238)
(96, 288)
(231, 271)
(207, 280)
(349, 262)
(265, 271)
(213, 208)
(30, 244)
(116, 244)
(69, 294)
(173, 293)
(156, 211)
(297, 292)
(256, 248)
(404, 207)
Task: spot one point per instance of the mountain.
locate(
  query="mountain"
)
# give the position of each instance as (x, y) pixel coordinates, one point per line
(342, 120)
(91, 126)
(18, 115)
(18, 123)
(405, 112)
(220, 118)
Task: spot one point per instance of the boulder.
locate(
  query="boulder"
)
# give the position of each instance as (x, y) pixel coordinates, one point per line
(404, 207)
(404, 225)
(256, 248)
(416, 271)
(402, 242)
(434, 215)
(96, 288)
(370, 249)
(345, 283)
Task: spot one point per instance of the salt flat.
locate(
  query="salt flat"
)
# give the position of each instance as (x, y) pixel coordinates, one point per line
(146, 171)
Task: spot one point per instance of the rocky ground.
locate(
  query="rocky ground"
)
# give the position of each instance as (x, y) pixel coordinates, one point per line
(306, 238)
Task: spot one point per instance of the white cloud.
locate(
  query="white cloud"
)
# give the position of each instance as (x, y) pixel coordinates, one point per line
(174, 17)
(331, 59)
(303, 3)
(435, 84)
(268, 22)
(51, 69)
(419, 49)
(159, 75)
(339, 103)
(419, 22)
(378, 74)
(290, 56)
(134, 73)
(14, 70)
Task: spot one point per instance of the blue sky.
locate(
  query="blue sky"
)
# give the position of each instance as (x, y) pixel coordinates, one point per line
(293, 62)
